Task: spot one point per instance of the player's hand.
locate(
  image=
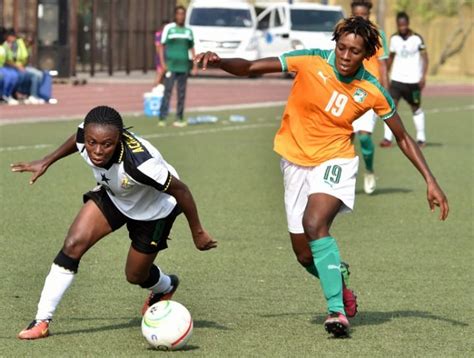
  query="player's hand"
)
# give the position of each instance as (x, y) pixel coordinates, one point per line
(422, 83)
(194, 71)
(206, 58)
(203, 240)
(436, 197)
(37, 167)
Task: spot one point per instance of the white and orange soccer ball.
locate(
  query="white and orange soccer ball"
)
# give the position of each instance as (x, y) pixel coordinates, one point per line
(167, 325)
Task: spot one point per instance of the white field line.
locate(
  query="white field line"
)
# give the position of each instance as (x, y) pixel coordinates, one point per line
(24, 147)
(198, 109)
(212, 130)
(229, 128)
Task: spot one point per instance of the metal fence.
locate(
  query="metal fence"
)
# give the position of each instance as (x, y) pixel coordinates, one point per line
(104, 35)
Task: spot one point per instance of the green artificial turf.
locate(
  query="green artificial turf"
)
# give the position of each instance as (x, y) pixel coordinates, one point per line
(249, 297)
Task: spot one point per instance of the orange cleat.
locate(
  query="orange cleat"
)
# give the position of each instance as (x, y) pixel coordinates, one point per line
(157, 297)
(385, 143)
(36, 330)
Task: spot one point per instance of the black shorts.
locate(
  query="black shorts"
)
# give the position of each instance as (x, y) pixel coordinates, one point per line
(147, 236)
(410, 92)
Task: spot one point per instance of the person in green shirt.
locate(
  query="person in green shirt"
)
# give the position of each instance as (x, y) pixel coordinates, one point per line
(178, 41)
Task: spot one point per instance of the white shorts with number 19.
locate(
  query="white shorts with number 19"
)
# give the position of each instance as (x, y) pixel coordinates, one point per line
(336, 177)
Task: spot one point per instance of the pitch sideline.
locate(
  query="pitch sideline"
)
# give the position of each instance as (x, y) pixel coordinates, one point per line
(229, 128)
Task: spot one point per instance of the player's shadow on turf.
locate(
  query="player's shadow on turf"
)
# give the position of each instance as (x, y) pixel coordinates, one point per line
(135, 322)
(185, 348)
(432, 144)
(382, 191)
(209, 324)
(375, 318)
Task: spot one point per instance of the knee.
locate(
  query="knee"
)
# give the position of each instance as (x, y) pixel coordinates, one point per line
(365, 139)
(135, 277)
(75, 245)
(315, 227)
(305, 259)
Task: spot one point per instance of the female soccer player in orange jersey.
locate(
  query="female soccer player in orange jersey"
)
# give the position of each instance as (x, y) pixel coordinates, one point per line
(331, 89)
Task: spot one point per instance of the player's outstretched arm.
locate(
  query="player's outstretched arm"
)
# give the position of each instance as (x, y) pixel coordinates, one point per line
(39, 167)
(238, 66)
(408, 146)
(183, 196)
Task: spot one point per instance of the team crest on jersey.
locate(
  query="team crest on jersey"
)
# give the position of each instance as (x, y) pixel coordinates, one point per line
(359, 95)
(125, 183)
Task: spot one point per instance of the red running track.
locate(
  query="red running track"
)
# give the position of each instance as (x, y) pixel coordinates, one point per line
(75, 101)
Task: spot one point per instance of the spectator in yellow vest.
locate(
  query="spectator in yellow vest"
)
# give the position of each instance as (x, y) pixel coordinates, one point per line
(8, 76)
(18, 58)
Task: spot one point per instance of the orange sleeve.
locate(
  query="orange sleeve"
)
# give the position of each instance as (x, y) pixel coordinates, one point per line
(384, 106)
(294, 61)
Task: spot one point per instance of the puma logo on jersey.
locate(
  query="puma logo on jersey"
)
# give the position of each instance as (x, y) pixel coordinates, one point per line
(325, 78)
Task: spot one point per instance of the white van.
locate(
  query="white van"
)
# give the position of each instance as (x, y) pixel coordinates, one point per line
(226, 27)
(283, 27)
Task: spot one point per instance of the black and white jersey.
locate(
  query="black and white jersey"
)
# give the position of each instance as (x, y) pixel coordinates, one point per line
(137, 178)
(407, 64)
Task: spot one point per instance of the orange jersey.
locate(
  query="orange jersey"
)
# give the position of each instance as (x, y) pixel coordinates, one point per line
(372, 64)
(317, 122)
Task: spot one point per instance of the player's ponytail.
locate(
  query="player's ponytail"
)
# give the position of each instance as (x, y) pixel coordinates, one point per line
(106, 116)
(364, 28)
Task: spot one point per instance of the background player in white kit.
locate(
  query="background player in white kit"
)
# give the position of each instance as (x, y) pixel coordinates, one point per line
(364, 125)
(409, 65)
(137, 188)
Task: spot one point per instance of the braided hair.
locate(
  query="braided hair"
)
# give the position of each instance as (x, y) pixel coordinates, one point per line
(360, 27)
(104, 116)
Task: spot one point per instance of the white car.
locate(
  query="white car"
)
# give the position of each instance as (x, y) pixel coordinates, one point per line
(283, 27)
(226, 27)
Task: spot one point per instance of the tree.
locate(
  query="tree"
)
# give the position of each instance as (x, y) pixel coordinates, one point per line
(428, 10)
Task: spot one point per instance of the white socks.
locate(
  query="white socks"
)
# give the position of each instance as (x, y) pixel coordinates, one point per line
(163, 285)
(57, 282)
(419, 119)
(387, 133)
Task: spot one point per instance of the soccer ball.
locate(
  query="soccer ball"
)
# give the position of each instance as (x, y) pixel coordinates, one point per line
(167, 325)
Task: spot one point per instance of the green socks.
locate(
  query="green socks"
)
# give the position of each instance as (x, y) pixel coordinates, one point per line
(328, 264)
(367, 148)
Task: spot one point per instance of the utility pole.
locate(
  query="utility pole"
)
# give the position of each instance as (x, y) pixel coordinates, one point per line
(381, 13)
